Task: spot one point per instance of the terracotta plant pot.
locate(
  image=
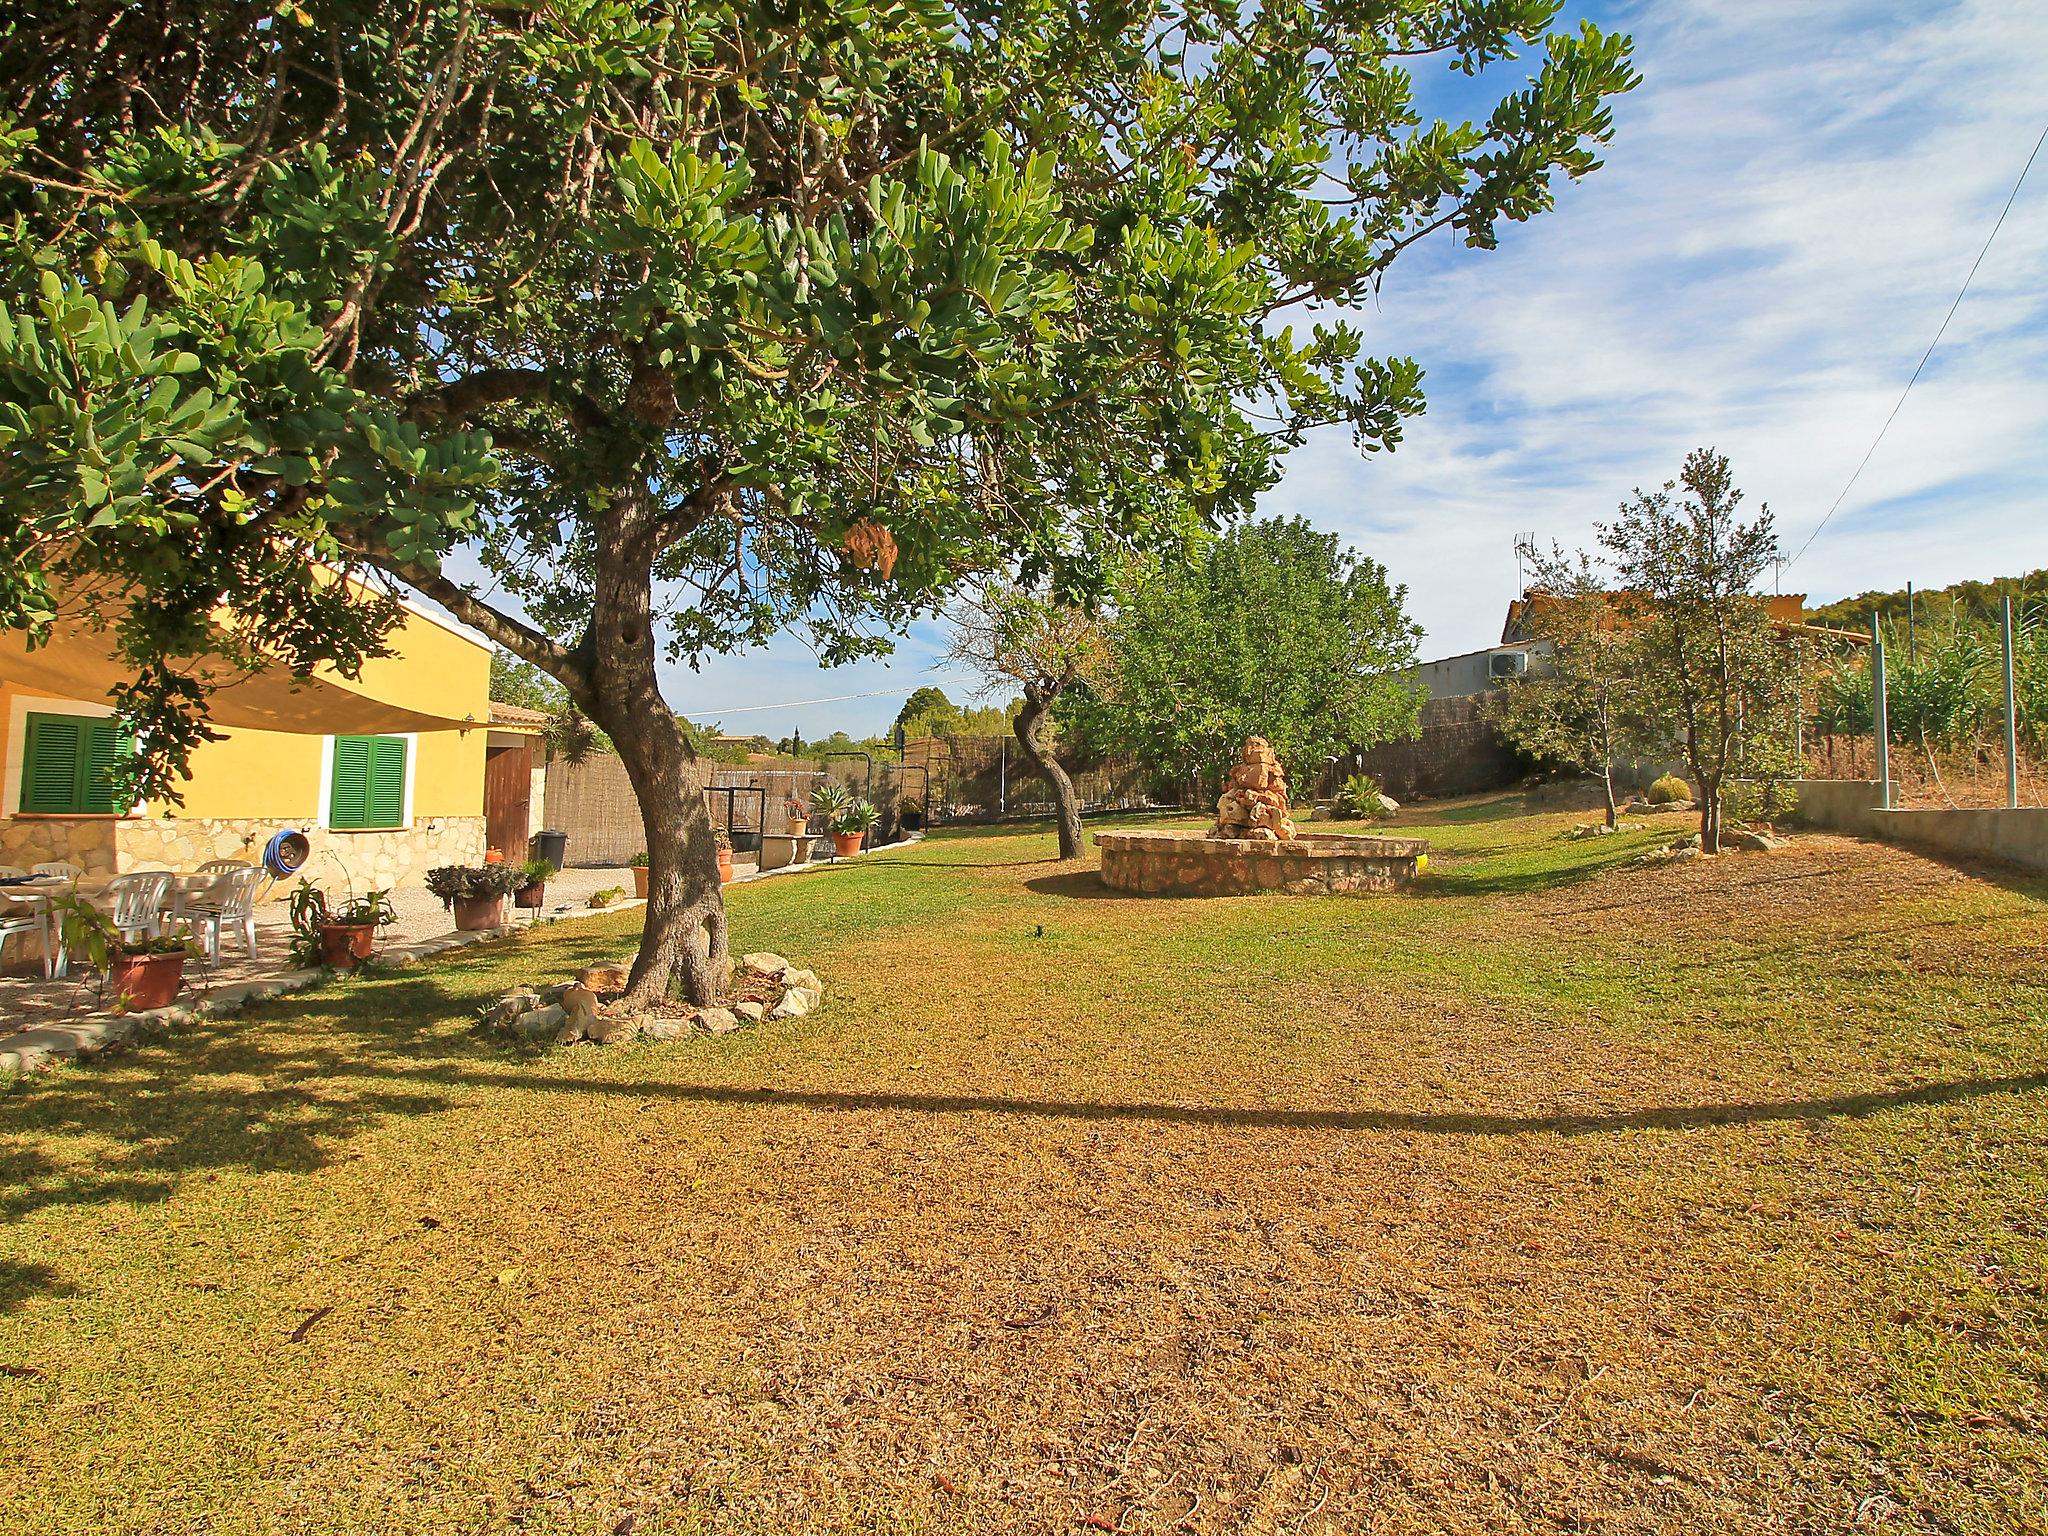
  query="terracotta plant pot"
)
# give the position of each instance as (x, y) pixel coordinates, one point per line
(724, 865)
(343, 944)
(640, 881)
(475, 914)
(847, 844)
(530, 898)
(799, 826)
(494, 855)
(146, 981)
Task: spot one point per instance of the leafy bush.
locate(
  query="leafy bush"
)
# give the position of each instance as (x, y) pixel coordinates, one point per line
(1359, 799)
(607, 896)
(638, 861)
(463, 882)
(1669, 790)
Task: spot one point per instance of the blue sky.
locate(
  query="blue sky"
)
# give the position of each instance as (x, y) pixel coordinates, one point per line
(1792, 198)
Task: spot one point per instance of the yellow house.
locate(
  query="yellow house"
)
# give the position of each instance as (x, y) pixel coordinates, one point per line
(384, 774)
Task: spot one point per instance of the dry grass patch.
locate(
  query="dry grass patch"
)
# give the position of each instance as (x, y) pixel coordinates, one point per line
(1556, 1194)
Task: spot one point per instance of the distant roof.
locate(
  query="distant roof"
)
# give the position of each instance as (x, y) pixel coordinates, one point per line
(517, 717)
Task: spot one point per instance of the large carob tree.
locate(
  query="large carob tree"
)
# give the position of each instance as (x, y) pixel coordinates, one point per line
(686, 322)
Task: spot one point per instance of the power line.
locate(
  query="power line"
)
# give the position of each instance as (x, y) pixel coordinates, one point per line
(2011, 197)
(837, 698)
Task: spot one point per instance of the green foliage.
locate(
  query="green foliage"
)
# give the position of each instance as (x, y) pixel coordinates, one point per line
(535, 872)
(83, 928)
(1669, 789)
(829, 798)
(308, 910)
(1358, 799)
(638, 861)
(1979, 604)
(928, 712)
(857, 815)
(783, 320)
(470, 882)
(1273, 630)
(1709, 672)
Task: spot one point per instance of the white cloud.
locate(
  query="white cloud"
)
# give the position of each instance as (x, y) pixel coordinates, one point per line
(1792, 199)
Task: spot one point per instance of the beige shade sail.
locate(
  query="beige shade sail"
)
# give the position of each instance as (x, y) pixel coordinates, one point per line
(78, 662)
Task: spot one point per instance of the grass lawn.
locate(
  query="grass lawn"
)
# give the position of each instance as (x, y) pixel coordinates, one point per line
(1555, 1194)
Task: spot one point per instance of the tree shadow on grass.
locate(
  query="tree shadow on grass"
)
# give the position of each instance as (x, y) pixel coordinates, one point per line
(1084, 885)
(1677, 1117)
(279, 1087)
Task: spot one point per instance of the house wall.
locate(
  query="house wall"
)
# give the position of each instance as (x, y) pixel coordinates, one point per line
(249, 785)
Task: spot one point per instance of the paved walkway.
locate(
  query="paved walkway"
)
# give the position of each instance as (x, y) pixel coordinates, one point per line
(27, 1001)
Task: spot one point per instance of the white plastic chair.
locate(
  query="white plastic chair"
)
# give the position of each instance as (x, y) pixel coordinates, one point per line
(230, 901)
(59, 869)
(138, 902)
(21, 916)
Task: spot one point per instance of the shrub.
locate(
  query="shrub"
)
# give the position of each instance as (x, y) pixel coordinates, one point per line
(1747, 800)
(1669, 790)
(472, 882)
(1359, 798)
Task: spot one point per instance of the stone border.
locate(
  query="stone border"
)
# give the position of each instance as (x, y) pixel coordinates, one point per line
(1312, 864)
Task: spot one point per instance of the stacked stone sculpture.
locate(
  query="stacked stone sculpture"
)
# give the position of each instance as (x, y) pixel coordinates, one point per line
(1253, 806)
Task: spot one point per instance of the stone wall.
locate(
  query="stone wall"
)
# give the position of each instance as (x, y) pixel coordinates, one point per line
(107, 845)
(382, 860)
(87, 841)
(1313, 864)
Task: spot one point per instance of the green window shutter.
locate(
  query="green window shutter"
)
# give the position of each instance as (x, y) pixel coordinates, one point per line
(387, 781)
(104, 747)
(349, 803)
(68, 765)
(369, 782)
(49, 770)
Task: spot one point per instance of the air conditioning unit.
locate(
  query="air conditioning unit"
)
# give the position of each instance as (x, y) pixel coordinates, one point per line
(1507, 664)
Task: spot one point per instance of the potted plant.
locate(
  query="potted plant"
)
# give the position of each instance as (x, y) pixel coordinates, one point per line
(336, 937)
(723, 839)
(829, 799)
(797, 816)
(475, 893)
(141, 973)
(852, 825)
(638, 864)
(534, 875)
(910, 815)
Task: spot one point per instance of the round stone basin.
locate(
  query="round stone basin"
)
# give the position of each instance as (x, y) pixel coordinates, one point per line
(1313, 864)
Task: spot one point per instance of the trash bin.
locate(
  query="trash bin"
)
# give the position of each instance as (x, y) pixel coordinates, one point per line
(553, 847)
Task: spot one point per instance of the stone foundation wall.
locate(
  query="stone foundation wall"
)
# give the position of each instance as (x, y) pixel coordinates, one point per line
(87, 841)
(1314, 864)
(104, 845)
(383, 860)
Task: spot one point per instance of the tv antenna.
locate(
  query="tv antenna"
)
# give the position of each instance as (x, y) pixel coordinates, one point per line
(1525, 555)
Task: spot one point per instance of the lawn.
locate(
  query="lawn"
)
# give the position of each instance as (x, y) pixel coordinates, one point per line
(1558, 1193)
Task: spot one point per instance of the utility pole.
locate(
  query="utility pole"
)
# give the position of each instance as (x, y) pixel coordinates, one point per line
(1878, 717)
(2012, 722)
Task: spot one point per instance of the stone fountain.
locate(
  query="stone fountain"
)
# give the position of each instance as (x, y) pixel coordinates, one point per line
(1255, 847)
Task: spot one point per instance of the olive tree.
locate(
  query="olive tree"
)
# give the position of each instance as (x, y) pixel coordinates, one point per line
(1710, 670)
(1574, 708)
(1009, 637)
(682, 323)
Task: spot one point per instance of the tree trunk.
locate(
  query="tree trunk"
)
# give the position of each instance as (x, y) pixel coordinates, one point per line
(1607, 783)
(685, 914)
(1710, 814)
(1030, 728)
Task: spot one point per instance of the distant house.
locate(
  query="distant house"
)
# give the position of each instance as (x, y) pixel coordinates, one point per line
(1458, 752)
(389, 774)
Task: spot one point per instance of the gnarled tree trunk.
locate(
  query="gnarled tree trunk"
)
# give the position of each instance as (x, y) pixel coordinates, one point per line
(1032, 729)
(685, 916)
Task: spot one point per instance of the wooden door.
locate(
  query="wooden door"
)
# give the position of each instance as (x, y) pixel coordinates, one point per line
(508, 796)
